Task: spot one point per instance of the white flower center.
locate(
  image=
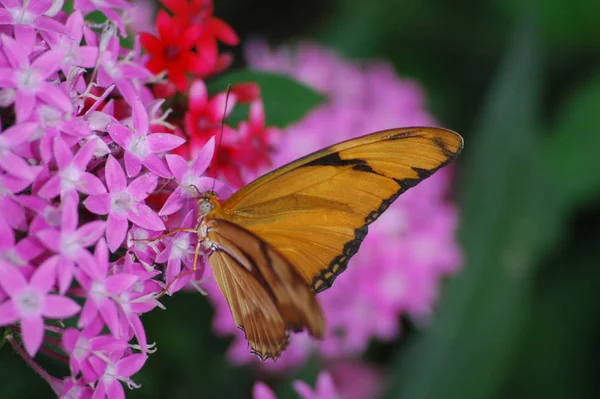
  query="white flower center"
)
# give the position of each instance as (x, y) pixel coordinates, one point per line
(11, 256)
(29, 303)
(82, 348)
(139, 146)
(28, 80)
(98, 290)
(70, 244)
(70, 178)
(52, 216)
(181, 247)
(121, 202)
(22, 16)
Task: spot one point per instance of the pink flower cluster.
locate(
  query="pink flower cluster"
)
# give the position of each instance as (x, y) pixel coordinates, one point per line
(84, 149)
(408, 250)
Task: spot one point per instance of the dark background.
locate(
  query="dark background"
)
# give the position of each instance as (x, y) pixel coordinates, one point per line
(521, 82)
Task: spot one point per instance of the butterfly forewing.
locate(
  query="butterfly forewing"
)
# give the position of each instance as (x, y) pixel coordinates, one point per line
(266, 294)
(315, 210)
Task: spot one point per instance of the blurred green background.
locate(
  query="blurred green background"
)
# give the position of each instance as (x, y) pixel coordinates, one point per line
(521, 82)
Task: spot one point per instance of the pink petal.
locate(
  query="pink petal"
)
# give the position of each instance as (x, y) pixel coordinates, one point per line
(163, 142)
(109, 314)
(53, 95)
(51, 188)
(130, 365)
(49, 24)
(18, 134)
(177, 164)
(262, 391)
(90, 232)
(14, 52)
(59, 307)
(98, 204)
(143, 186)
(217, 105)
(204, 157)
(65, 270)
(48, 63)
(88, 313)
(156, 165)
(24, 105)
(69, 339)
(114, 390)
(132, 164)
(115, 177)
(86, 262)
(11, 279)
(119, 133)
(120, 282)
(8, 313)
(198, 96)
(50, 238)
(174, 202)
(43, 277)
(138, 329)
(84, 155)
(69, 218)
(18, 167)
(32, 330)
(140, 118)
(101, 253)
(145, 217)
(257, 114)
(116, 230)
(90, 184)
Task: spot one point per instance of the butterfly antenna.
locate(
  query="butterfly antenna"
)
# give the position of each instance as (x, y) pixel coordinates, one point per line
(218, 152)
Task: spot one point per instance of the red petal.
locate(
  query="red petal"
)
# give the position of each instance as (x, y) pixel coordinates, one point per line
(151, 44)
(189, 37)
(177, 76)
(197, 64)
(164, 27)
(176, 6)
(156, 65)
(246, 92)
(222, 31)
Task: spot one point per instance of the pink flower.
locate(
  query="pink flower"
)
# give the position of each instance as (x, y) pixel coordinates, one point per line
(102, 290)
(13, 164)
(72, 175)
(323, 390)
(27, 14)
(188, 177)
(124, 203)
(107, 7)
(30, 302)
(140, 147)
(30, 79)
(69, 242)
(113, 372)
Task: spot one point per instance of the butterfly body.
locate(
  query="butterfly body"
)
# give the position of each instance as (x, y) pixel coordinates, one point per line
(283, 238)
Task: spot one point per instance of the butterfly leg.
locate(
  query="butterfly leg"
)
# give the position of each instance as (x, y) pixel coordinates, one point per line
(160, 237)
(194, 269)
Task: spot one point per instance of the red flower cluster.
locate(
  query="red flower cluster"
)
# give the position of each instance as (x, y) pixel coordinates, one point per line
(187, 46)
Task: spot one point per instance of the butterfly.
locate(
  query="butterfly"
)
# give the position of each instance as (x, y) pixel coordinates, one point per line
(283, 238)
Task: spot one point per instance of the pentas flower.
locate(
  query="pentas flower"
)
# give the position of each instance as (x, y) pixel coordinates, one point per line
(26, 14)
(29, 79)
(172, 52)
(30, 302)
(140, 147)
(124, 203)
(325, 389)
(85, 164)
(407, 251)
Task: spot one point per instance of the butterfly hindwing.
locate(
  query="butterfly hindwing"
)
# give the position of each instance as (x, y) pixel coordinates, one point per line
(267, 297)
(316, 210)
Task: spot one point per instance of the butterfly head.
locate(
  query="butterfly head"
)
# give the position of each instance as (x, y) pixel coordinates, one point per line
(208, 202)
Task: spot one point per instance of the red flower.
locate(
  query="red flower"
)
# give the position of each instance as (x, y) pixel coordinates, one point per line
(256, 141)
(172, 50)
(213, 29)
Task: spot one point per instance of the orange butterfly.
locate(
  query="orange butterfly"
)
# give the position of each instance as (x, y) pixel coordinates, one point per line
(284, 237)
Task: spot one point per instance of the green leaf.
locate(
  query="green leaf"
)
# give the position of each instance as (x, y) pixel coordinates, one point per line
(572, 151)
(509, 219)
(286, 100)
